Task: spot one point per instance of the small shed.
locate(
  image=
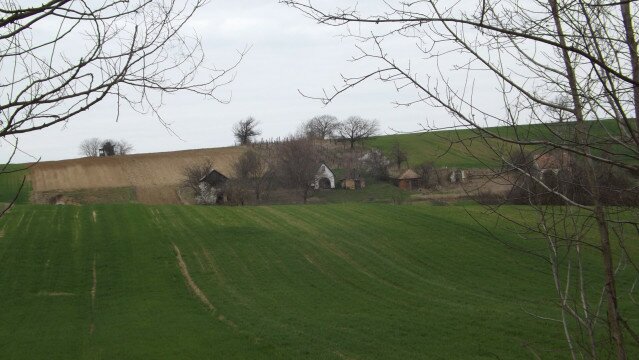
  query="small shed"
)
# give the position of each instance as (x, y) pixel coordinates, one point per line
(350, 179)
(353, 183)
(325, 178)
(408, 180)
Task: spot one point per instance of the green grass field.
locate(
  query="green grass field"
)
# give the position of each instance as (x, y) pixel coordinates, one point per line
(464, 149)
(10, 184)
(343, 281)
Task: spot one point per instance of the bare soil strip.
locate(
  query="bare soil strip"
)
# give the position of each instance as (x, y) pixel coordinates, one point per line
(189, 281)
(95, 216)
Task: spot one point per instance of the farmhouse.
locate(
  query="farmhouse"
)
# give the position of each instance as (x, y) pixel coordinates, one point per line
(325, 178)
(408, 180)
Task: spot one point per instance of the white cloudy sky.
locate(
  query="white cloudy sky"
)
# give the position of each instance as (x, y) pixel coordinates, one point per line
(288, 52)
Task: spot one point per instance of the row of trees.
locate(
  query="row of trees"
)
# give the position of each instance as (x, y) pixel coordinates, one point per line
(352, 130)
(91, 147)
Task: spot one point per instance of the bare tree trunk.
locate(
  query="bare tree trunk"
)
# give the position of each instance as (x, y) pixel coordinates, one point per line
(599, 212)
(634, 57)
(611, 291)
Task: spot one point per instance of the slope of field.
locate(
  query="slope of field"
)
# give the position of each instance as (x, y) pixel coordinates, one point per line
(154, 178)
(465, 149)
(320, 282)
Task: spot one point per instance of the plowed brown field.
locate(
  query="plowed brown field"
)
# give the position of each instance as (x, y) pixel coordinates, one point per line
(155, 177)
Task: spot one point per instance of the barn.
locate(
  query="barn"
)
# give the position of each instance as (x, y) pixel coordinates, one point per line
(325, 178)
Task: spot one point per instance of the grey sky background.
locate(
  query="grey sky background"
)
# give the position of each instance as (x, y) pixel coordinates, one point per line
(288, 52)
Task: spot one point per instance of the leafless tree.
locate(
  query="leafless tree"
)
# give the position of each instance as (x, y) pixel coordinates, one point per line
(90, 147)
(297, 164)
(558, 112)
(60, 58)
(536, 52)
(355, 129)
(252, 169)
(245, 130)
(321, 127)
(123, 147)
(375, 164)
(192, 175)
(428, 173)
(398, 155)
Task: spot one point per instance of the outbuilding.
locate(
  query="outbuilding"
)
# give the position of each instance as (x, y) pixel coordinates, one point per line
(325, 178)
(408, 180)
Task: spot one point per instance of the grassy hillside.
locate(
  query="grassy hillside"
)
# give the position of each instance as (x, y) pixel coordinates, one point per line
(10, 184)
(464, 149)
(321, 282)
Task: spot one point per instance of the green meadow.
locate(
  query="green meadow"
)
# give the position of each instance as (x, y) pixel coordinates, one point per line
(341, 281)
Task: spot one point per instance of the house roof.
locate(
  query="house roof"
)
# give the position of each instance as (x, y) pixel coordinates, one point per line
(408, 174)
(327, 168)
(211, 175)
(554, 160)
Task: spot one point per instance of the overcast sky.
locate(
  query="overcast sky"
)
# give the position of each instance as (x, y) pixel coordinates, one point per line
(288, 52)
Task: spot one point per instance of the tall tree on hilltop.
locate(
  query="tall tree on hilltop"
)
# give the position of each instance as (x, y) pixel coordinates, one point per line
(355, 129)
(245, 130)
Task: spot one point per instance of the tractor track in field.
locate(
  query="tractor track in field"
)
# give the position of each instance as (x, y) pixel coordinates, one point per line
(195, 289)
(55, 293)
(94, 288)
(189, 280)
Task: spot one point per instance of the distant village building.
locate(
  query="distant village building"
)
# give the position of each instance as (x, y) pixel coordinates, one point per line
(552, 162)
(212, 188)
(457, 176)
(325, 178)
(353, 181)
(408, 180)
